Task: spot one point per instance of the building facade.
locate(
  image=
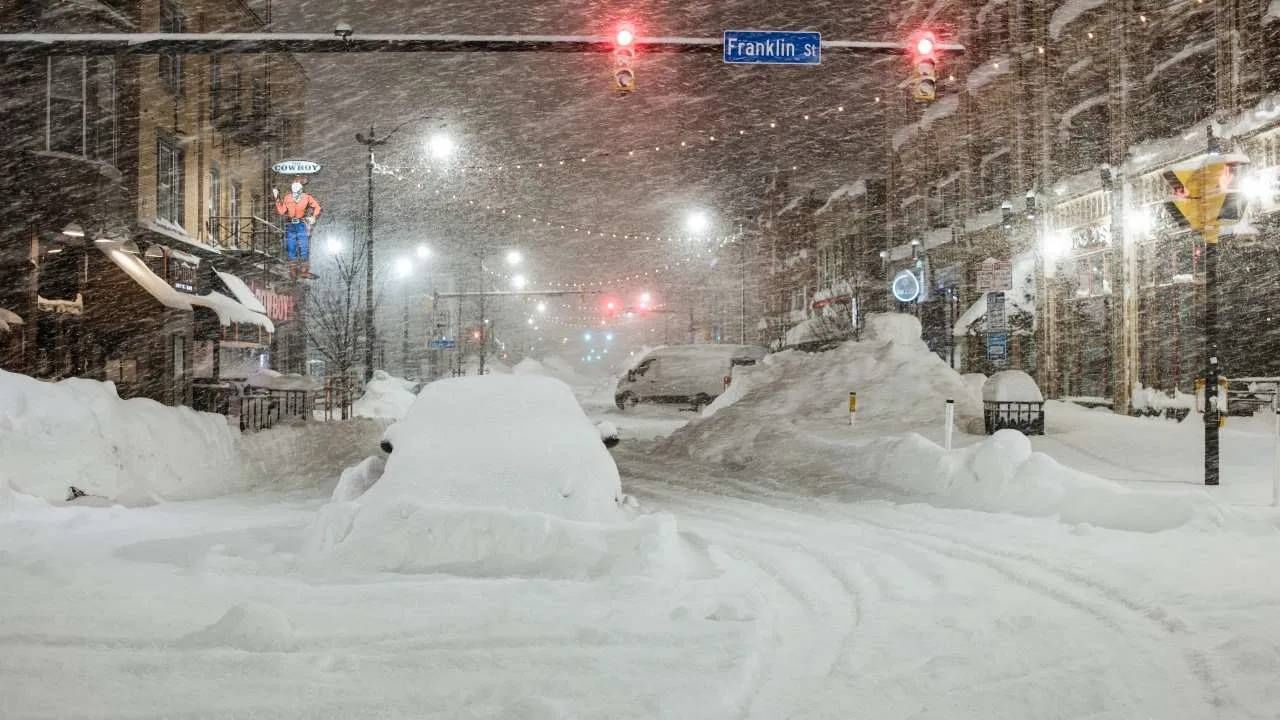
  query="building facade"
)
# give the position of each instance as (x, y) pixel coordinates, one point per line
(140, 246)
(1047, 150)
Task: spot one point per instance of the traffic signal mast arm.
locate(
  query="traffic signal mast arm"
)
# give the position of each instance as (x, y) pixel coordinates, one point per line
(196, 43)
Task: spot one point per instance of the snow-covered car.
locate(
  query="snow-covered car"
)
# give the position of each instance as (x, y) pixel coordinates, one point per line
(694, 374)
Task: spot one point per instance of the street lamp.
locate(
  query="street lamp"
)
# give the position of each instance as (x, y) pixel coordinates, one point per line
(371, 141)
(332, 245)
(441, 146)
(423, 251)
(519, 282)
(514, 257)
(542, 308)
(404, 267)
(698, 222)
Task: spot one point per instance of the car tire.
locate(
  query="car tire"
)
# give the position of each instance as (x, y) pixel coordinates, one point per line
(626, 401)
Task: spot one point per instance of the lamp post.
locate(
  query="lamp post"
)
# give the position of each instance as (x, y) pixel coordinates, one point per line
(371, 141)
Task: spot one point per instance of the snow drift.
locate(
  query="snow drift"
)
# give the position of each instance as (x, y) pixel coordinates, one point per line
(385, 396)
(788, 418)
(491, 475)
(79, 432)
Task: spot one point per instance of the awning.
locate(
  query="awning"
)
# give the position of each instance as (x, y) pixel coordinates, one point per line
(228, 310)
(8, 320)
(241, 292)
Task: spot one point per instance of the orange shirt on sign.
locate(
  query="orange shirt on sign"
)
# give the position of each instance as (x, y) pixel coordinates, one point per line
(287, 206)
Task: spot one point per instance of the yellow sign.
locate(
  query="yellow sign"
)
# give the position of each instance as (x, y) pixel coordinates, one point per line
(853, 402)
(1205, 193)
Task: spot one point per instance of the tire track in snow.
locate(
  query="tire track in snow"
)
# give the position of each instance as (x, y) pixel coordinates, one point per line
(1105, 604)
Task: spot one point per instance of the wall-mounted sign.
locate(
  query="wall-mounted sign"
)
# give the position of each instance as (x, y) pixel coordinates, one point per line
(296, 167)
(1091, 237)
(279, 307)
(994, 276)
(906, 286)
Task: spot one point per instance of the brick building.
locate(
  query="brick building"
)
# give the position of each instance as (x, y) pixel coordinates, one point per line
(139, 245)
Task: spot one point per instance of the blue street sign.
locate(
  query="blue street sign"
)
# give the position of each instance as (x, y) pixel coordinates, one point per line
(772, 47)
(997, 346)
(443, 344)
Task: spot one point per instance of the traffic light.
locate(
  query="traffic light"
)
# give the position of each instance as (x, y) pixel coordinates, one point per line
(924, 77)
(624, 56)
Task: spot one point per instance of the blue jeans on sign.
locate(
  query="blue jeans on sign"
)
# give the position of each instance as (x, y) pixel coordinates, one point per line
(295, 238)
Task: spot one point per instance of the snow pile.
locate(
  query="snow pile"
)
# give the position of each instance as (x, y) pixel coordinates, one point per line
(289, 457)
(79, 432)
(529, 366)
(250, 626)
(357, 479)
(901, 386)
(494, 475)
(385, 396)
(1145, 398)
(1011, 386)
(268, 379)
(1002, 474)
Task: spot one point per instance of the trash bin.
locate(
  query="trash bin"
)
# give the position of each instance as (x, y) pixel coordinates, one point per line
(1012, 401)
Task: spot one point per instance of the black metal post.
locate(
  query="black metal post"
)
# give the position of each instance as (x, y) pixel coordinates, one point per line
(368, 259)
(1211, 410)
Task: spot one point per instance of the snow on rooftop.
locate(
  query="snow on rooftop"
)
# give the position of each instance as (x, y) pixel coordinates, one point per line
(1068, 13)
(8, 319)
(1011, 386)
(241, 292)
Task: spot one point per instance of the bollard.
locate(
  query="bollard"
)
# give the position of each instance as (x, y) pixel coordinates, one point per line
(853, 407)
(950, 423)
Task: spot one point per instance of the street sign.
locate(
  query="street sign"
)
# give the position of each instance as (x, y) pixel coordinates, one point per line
(443, 344)
(997, 317)
(994, 276)
(998, 348)
(772, 47)
(296, 167)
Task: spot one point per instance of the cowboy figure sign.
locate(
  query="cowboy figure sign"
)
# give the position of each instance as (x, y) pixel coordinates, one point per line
(292, 207)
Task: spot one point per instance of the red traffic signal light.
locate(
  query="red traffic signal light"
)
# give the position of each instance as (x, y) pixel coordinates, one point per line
(925, 45)
(626, 35)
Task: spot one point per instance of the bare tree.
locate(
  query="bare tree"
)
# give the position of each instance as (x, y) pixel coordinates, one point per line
(335, 309)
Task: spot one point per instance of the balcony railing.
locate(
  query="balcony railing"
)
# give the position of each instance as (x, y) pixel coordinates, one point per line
(247, 235)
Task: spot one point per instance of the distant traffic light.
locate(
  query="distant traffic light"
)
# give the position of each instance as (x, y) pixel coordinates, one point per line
(624, 56)
(924, 77)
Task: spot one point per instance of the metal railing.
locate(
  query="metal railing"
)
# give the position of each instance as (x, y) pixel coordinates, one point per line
(260, 411)
(249, 234)
(1025, 417)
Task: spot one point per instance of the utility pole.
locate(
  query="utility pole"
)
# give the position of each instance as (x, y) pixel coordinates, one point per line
(370, 142)
(742, 286)
(404, 338)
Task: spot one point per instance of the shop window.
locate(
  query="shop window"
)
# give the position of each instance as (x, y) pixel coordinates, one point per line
(170, 162)
(215, 87)
(171, 62)
(215, 202)
(100, 119)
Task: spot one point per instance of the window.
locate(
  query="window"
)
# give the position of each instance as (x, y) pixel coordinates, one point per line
(258, 99)
(171, 62)
(215, 86)
(169, 167)
(101, 114)
(215, 202)
(65, 111)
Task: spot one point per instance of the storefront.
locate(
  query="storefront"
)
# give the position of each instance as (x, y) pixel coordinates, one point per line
(1079, 281)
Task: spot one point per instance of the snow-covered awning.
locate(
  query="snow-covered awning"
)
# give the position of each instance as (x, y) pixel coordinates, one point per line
(9, 319)
(240, 290)
(229, 311)
(134, 267)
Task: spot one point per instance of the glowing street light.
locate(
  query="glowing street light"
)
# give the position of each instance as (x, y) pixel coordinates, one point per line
(514, 257)
(332, 245)
(423, 251)
(698, 222)
(542, 308)
(645, 299)
(586, 336)
(404, 267)
(519, 282)
(441, 146)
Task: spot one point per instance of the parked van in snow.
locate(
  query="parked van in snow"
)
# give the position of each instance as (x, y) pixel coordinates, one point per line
(683, 374)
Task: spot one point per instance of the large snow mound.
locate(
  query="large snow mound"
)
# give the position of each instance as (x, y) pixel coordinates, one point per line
(518, 442)
(250, 626)
(901, 386)
(492, 476)
(1002, 474)
(306, 455)
(385, 396)
(79, 432)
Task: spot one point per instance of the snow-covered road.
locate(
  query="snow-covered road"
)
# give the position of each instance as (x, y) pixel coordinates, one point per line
(802, 606)
(880, 610)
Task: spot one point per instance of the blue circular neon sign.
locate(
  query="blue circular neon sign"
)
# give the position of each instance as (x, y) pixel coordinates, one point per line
(906, 286)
